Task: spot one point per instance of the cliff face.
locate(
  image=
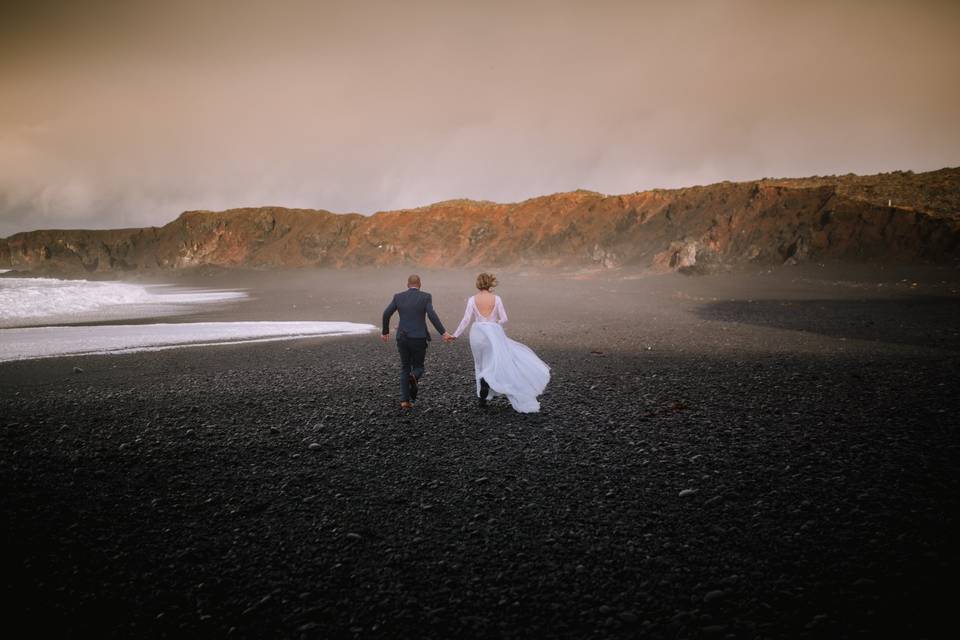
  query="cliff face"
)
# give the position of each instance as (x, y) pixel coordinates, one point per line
(697, 228)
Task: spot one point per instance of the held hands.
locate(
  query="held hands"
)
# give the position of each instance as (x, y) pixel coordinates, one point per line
(446, 337)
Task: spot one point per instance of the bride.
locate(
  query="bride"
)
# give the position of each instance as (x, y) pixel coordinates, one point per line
(502, 366)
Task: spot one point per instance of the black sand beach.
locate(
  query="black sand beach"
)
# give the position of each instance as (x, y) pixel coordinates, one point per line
(773, 454)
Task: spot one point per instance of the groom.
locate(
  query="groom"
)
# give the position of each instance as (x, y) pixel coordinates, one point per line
(412, 335)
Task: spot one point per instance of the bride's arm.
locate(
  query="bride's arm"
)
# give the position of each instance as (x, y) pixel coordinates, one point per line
(465, 322)
(501, 312)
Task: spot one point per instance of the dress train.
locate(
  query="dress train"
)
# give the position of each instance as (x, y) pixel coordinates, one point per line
(510, 368)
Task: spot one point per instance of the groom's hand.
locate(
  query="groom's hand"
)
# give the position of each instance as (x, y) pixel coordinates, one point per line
(448, 338)
(384, 336)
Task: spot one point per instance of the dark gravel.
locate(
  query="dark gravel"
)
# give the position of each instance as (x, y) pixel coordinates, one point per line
(704, 465)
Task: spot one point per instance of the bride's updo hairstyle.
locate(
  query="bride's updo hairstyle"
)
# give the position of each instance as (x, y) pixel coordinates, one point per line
(486, 281)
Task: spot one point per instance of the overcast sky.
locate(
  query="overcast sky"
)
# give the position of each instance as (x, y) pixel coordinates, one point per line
(125, 113)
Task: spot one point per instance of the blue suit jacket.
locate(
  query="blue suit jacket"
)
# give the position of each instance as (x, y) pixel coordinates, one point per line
(414, 306)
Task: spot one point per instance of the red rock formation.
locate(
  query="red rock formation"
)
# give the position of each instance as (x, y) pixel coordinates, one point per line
(899, 217)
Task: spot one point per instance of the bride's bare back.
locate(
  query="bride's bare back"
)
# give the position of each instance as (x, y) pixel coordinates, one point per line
(502, 366)
(485, 302)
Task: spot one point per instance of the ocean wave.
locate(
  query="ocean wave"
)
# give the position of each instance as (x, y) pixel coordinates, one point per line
(27, 343)
(27, 300)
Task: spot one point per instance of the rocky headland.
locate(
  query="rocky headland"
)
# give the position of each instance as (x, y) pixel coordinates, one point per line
(892, 218)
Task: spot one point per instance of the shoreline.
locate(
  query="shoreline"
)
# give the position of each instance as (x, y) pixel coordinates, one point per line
(38, 343)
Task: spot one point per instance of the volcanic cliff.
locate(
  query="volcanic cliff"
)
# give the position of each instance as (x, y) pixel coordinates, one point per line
(899, 217)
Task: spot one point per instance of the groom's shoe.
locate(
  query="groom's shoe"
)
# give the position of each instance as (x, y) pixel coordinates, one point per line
(406, 404)
(484, 391)
(413, 387)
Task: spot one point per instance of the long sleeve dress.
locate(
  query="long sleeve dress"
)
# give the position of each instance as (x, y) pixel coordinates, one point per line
(509, 367)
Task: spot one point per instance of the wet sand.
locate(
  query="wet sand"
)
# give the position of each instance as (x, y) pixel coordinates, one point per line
(764, 455)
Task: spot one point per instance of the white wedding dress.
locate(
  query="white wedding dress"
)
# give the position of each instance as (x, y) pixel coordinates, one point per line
(509, 368)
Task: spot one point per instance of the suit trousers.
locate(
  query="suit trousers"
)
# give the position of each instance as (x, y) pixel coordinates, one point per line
(412, 354)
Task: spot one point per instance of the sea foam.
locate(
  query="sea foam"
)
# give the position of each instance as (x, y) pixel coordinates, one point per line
(30, 301)
(27, 343)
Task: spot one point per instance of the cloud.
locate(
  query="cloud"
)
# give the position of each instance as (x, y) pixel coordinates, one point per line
(126, 113)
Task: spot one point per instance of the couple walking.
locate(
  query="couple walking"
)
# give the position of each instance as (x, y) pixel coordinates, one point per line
(502, 366)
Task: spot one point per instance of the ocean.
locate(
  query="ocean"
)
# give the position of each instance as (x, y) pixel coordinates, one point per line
(39, 318)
